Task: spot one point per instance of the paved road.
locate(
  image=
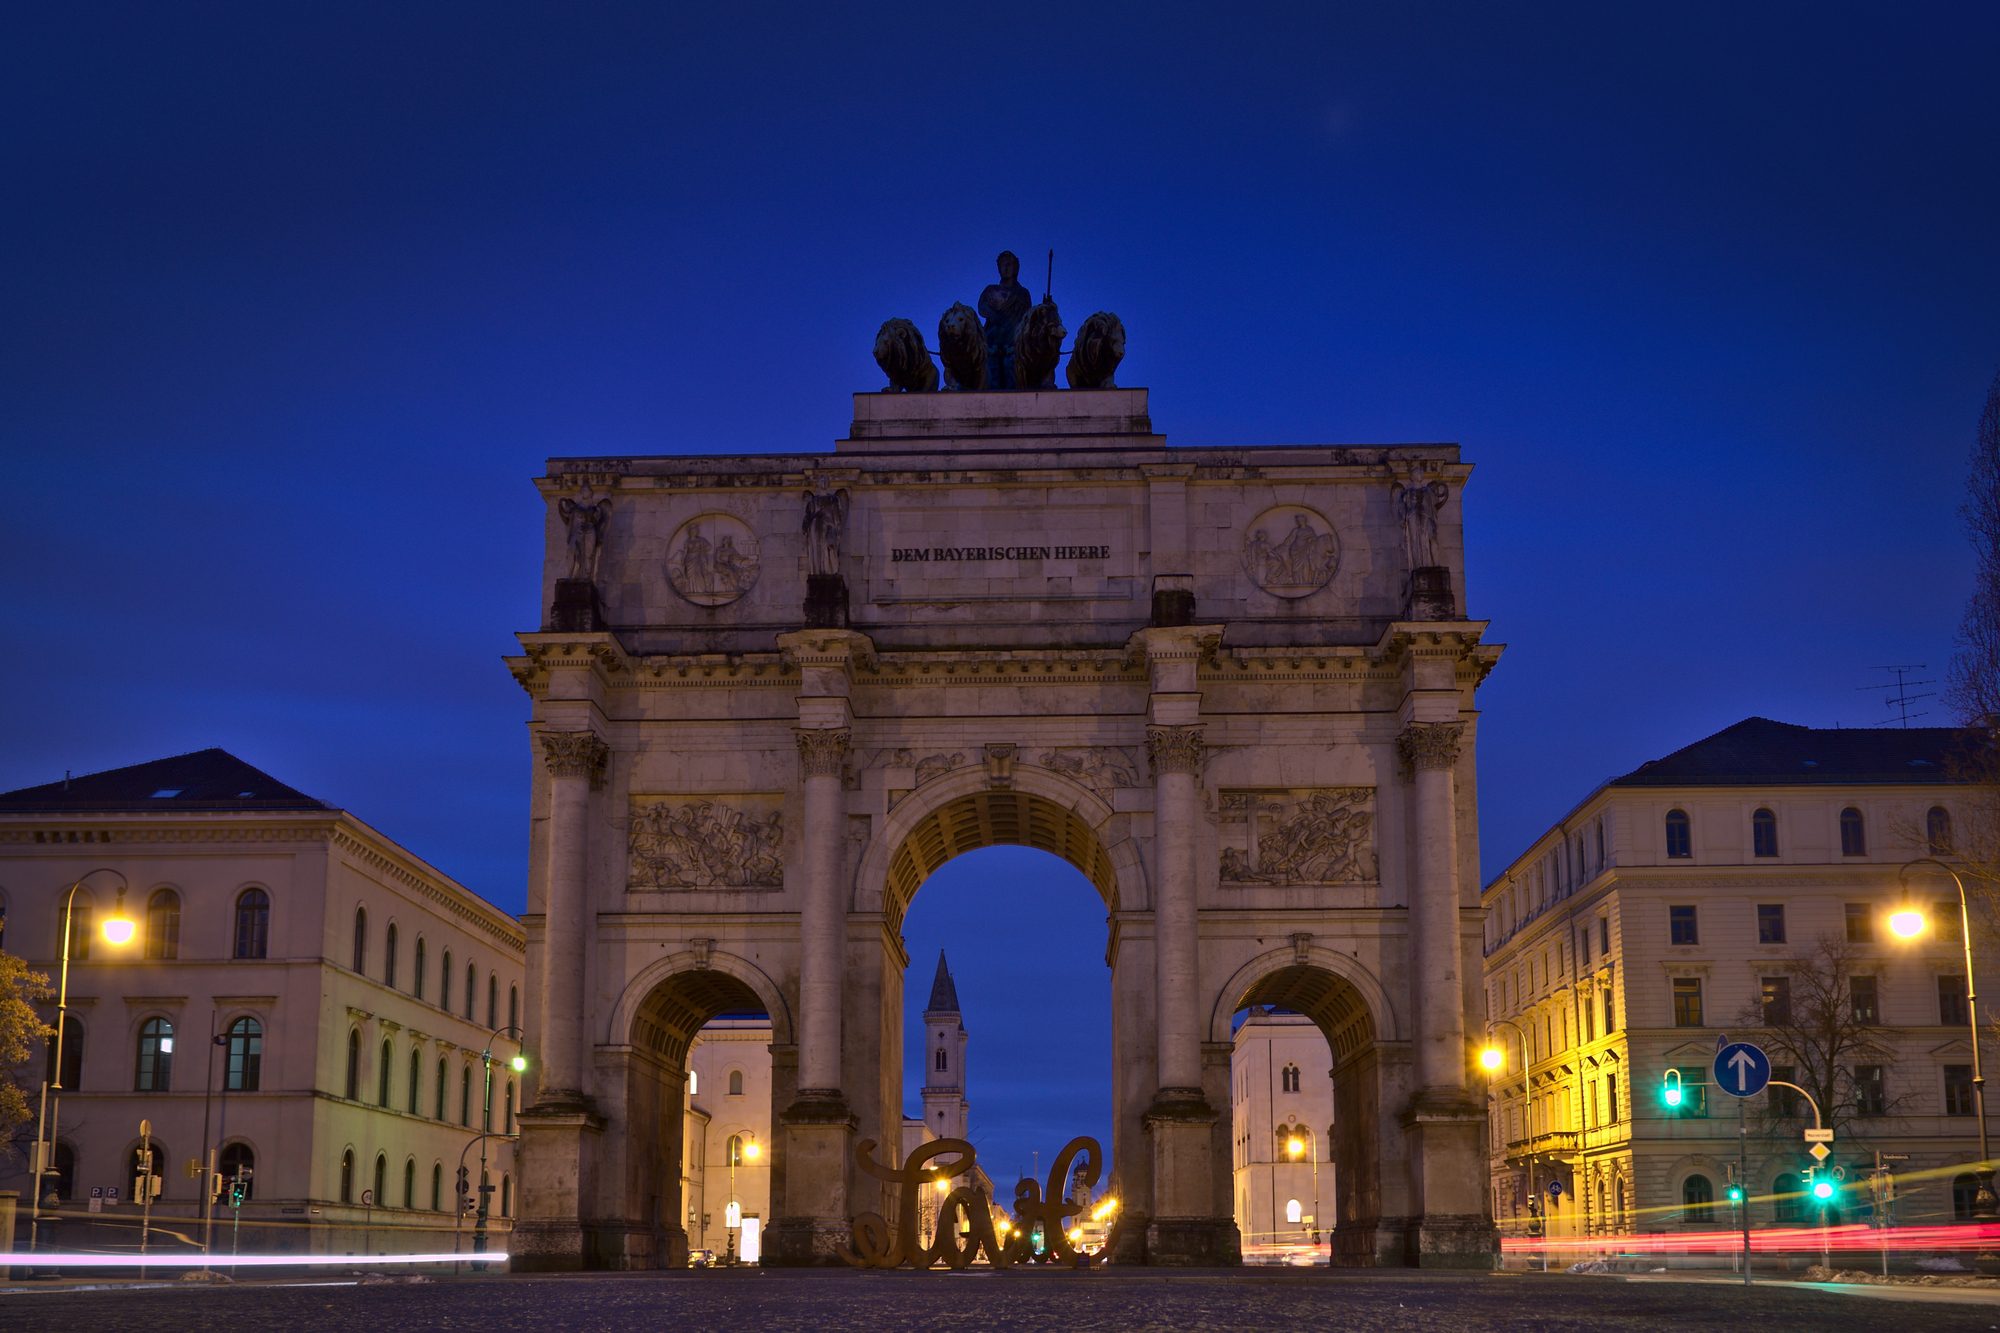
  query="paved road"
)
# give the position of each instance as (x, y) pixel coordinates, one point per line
(830, 1302)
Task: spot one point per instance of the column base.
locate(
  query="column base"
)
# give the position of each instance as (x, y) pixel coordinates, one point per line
(1468, 1241)
(1379, 1242)
(556, 1159)
(1183, 1230)
(1193, 1242)
(814, 1228)
(1445, 1129)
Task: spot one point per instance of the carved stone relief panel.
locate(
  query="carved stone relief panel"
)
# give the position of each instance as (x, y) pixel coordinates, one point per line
(922, 767)
(1290, 551)
(1102, 768)
(712, 559)
(727, 842)
(1305, 835)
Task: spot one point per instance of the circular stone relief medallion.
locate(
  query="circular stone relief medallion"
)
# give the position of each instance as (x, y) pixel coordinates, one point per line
(712, 559)
(1290, 551)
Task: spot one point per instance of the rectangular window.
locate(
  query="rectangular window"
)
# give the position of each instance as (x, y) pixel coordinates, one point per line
(1951, 1001)
(1958, 1089)
(1681, 926)
(1687, 1002)
(1870, 1092)
(1863, 992)
(1770, 923)
(1777, 999)
(1783, 1100)
(1589, 1021)
(1611, 1099)
(1860, 924)
(1944, 922)
(1610, 1012)
(1604, 935)
(1694, 1090)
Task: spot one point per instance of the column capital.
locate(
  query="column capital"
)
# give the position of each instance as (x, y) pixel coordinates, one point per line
(1175, 749)
(575, 754)
(822, 750)
(1430, 744)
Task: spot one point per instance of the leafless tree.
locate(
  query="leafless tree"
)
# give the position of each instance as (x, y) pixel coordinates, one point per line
(1821, 1033)
(1973, 687)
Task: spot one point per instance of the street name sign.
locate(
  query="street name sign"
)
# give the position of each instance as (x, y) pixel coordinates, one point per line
(1819, 1136)
(1742, 1070)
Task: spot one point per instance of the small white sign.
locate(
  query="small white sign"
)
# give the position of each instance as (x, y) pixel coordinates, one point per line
(1819, 1136)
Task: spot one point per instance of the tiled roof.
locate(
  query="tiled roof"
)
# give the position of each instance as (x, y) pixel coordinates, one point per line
(211, 779)
(1758, 751)
(944, 992)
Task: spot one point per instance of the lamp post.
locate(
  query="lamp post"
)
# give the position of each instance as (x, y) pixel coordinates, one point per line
(118, 930)
(732, 1215)
(1295, 1148)
(1907, 922)
(1493, 1059)
(520, 1065)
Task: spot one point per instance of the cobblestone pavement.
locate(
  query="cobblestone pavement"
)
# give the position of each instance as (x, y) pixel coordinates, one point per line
(876, 1302)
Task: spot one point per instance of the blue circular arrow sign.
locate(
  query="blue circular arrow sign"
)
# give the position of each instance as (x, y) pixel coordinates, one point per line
(1742, 1070)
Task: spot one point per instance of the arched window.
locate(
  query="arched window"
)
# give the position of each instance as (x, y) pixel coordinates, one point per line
(416, 1078)
(163, 924)
(510, 1106)
(245, 1072)
(437, 1187)
(733, 1154)
(1853, 833)
(471, 985)
(736, 1081)
(253, 924)
(1763, 833)
(72, 1056)
(1290, 1078)
(1937, 830)
(444, 983)
(1697, 1199)
(1680, 834)
(353, 1064)
(442, 1078)
(732, 1216)
(492, 1001)
(506, 1196)
(137, 1167)
(361, 939)
(347, 1176)
(410, 1183)
(238, 1166)
(389, 956)
(419, 969)
(465, 1097)
(513, 1006)
(1964, 1191)
(383, 1065)
(941, 1061)
(156, 1057)
(1293, 1212)
(381, 1180)
(1788, 1205)
(65, 1176)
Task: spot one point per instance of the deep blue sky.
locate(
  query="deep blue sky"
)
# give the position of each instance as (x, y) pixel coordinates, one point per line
(296, 300)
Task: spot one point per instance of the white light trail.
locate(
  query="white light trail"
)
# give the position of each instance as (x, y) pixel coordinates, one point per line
(58, 1259)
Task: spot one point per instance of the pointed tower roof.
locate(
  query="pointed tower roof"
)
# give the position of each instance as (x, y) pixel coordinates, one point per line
(944, 994)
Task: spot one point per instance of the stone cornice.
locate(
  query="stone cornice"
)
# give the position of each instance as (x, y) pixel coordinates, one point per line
(463, 904)
(543, 654)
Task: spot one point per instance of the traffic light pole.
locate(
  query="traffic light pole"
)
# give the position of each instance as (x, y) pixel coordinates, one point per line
(1743, 1180)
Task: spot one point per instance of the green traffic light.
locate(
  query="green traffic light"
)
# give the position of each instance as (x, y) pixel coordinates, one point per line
(1670, 1087)
(1736, 1194)
(1822, 1190)
(1673, 1095)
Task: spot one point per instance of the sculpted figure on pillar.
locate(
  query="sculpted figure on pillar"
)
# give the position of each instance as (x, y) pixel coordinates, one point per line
(1175, 749)
(825, 523)
(1418, 502)
(575, 754)
(822, 751)
(584, 518)
(1430, 744)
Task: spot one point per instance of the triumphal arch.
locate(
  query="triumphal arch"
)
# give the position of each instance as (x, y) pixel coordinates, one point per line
(1232, 685)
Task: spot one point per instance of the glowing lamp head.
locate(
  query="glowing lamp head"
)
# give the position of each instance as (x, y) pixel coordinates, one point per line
(119, 928)
(752, 1150)
(943, 1185)
(1822, 1190)
(1907, 922)
(1295, 1146)
(1492, 1059)
(1075, 1235)
(520, 1063)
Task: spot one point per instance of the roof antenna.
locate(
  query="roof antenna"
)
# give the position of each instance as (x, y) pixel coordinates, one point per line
(1900, 697)
(1049, 283)
(65, 779)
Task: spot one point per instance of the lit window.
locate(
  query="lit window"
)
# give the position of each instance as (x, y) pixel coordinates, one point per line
(1293, 1213)
(156, 1057)
(1687, 1002)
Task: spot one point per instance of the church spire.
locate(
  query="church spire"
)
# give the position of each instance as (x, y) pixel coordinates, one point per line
(944, 992)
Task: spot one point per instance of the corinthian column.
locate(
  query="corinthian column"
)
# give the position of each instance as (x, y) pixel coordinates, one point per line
(576, 767)
(822, 920)
(1176, 754)
(1431, 751)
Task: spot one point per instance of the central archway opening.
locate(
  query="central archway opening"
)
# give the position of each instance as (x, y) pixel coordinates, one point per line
(1000, 901)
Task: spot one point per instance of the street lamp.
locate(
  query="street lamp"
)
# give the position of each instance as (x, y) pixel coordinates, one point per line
(118, 930)
(519, 1064)
(732, 1216)
(1907, 922)
(1493, 1059)
(1295, 1148)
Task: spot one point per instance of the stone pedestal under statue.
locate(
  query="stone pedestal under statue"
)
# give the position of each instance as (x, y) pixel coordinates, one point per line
(813, 1226)
(576, 608)
(558, 1149)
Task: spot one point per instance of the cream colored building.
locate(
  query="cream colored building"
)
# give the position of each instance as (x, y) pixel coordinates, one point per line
(302, 996)
(1281, 1093)
(728, 1188)
(1662, 913)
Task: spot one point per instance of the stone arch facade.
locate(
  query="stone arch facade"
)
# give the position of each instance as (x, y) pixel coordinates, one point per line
(773, 693)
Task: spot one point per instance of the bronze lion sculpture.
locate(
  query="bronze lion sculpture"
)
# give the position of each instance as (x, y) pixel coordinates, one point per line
(1100, 346)
(962, 347)
(1037, 347)
(899, 350)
